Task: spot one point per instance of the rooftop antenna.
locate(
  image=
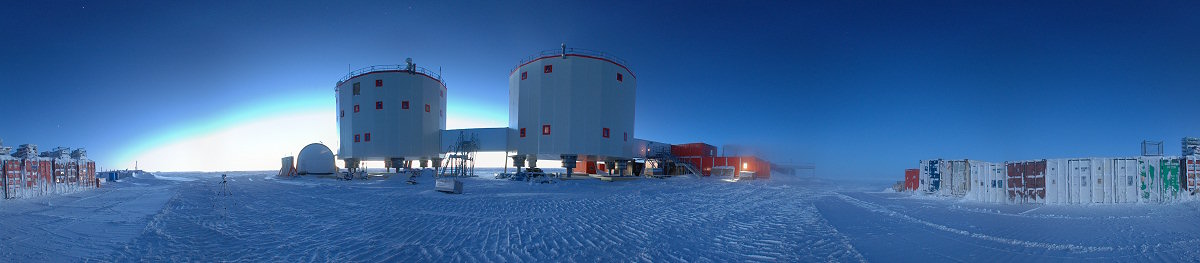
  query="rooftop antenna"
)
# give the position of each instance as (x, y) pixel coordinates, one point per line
(564, 50)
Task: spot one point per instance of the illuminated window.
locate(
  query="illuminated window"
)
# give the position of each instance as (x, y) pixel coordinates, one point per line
(620, 78)
(523, 134)
(356, 138)
(605, 133)
(524, 75)
(546, 129)
(379, 83)
(426, 107)
(367, 137)
(355, 107)
(548, 68)
(356, 90)
(378, 105)
(404, 104)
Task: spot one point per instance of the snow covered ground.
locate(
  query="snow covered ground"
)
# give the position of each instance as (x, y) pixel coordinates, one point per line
(182, 217)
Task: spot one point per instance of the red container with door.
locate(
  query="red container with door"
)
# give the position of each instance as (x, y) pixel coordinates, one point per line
(693, 149)
(912, 179)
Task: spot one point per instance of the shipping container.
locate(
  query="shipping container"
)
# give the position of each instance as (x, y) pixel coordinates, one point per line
(1125, 172)
(931, 175)
(955, 177)
(1189, 174)
(694, 150)
(987, 182)
(1026, 181)
(1159, 178)
(912, 179)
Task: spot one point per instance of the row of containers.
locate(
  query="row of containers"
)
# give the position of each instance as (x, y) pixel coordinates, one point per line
(56, 172)
(1145, 179)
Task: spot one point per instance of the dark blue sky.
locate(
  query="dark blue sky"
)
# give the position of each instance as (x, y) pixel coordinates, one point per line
(860, 88)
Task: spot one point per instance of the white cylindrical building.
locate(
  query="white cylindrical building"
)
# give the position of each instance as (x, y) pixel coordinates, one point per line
(572, 102)
(390, 113)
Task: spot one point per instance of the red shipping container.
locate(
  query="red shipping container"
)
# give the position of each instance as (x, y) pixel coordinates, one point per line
(583, 167)
(912, 179)
(46, 170)
(693, 150)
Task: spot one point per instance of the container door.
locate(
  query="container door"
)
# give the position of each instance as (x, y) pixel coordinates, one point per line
(1015, 180)
(1169, 169)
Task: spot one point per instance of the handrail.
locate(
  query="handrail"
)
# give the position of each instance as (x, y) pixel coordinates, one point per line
(572, 51)
(390, 67)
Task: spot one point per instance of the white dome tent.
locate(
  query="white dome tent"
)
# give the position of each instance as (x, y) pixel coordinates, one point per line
(315, 158)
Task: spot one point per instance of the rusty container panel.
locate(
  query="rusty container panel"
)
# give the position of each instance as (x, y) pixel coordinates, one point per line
(912, 179)
(1035, 181)
(1016, 181)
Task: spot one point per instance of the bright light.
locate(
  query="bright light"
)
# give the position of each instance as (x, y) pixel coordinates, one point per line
(744, 166)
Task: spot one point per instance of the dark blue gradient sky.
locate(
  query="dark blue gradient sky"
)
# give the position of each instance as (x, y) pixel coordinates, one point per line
(861, 88)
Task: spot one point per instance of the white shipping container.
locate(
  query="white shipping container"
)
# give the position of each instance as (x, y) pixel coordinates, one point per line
(987, 182)
(1125, 180)
(955, 178)
(1056, 181)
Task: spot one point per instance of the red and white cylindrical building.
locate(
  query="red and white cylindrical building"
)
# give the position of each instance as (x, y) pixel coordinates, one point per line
(390, 113)
(572, 103)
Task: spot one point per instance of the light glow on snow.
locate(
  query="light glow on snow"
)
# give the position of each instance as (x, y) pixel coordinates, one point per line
(255, 138)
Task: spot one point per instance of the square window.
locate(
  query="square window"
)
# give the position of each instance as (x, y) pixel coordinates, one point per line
(356, 108)
(605, 133)
(548, 68)
(620, 78)
(379, 83)
(523, 135)
(404, 104)
(378, 105)
(356, 138)
(524, 75)
(426, 107)
(546, 129)
(367, 137)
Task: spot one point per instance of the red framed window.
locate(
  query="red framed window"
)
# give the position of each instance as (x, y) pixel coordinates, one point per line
(378, 105)
(522, 132)
(546, 129)
(605, 133)
(404, 104)
(441, 93)
(524, 75)
(620, 77)
(356, 138)
(547, 68)
(355, 107)
(379, 83)
(426, 107)
(367, 137)
(626, 136)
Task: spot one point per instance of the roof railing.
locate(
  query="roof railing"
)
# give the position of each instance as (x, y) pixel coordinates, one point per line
(573, 51)
(388, 68)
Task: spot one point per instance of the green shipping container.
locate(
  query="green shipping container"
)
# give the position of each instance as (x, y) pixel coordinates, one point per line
(1159, 179)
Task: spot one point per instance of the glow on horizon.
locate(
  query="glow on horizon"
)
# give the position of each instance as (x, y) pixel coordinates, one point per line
(255, 138)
